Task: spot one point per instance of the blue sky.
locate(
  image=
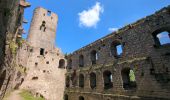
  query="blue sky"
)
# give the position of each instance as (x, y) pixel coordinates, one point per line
(75, 30)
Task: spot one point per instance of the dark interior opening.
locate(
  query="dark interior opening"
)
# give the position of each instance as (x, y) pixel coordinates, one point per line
(94, 57)
(81, 98)
(108, 81)
(81, 80)
(41, 51)
(81, 61)
(92, 80)
(127, 76)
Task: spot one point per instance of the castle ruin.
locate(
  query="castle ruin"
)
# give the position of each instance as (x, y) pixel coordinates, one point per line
(129, 64)
(44, 63)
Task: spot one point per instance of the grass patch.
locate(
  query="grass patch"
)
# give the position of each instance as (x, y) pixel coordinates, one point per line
(28, 96)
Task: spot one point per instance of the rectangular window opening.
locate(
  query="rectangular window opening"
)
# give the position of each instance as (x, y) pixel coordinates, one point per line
(49, 13)
(41, 51)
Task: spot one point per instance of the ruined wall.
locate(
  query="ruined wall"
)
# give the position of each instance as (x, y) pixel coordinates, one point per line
(43, 25)
(11, 14)
(99, 71)
(45, 64)
(43, 75)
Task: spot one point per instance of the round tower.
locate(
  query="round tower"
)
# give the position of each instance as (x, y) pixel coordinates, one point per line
(43, 29)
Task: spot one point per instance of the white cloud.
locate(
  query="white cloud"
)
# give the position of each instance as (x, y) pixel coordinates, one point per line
(90, 17)
(113, 29)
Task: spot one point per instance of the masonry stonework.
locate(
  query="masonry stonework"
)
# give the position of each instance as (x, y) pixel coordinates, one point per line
(140, 72)
(129, 64)
(43, 29)
(11, 19)
(45, 64)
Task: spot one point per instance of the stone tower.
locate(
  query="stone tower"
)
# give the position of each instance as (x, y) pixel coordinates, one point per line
(45, 64)
(43, 29)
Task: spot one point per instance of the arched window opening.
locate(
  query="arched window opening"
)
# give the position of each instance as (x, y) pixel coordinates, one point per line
(65, 97)
(108, 79)
(81, 80)
(69, 66)
(119, 49)
(94, 57)
(81, 98)
(67, 81)
(162, 38)
(43, 26)
(116, 49)
(2, 78)
(81, 61)
(61, 63)
(128, 78)
(92, 80)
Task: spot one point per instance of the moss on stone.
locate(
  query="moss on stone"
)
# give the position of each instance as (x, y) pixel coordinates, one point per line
(20, 42)
(20, 69)
(13, 47)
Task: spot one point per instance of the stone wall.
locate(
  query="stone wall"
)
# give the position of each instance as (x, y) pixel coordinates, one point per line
(11, 15)
(99, 71)
(43, 25)
(44, 77)
(44, 63)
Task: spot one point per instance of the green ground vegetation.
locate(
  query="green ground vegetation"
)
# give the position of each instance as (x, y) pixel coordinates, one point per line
(26, 95)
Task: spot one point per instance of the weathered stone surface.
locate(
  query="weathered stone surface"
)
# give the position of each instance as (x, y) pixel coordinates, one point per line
(94, 72)
(11, 14)
(141, 53)
(41, 58)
